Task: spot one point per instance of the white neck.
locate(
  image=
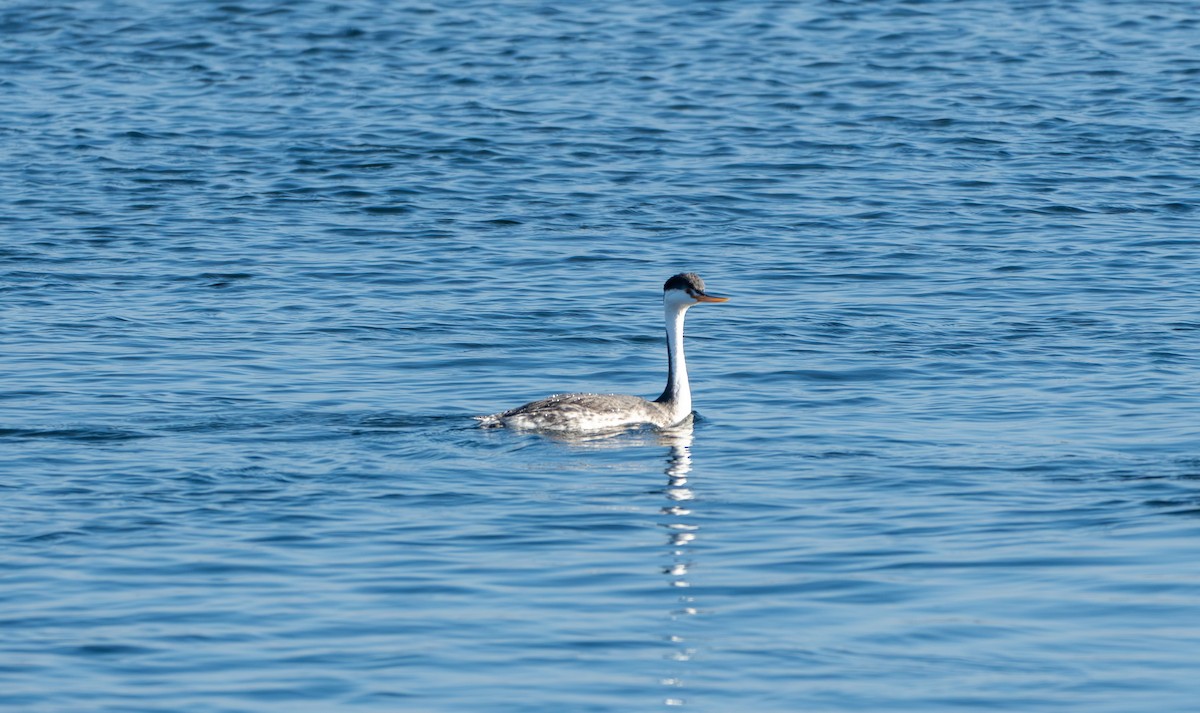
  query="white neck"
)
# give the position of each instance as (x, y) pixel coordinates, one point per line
(677, 397)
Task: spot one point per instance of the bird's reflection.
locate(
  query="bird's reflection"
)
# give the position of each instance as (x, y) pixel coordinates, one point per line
(680, 540)
(676, 514)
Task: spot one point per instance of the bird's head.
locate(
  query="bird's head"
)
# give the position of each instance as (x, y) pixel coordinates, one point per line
(687, 289)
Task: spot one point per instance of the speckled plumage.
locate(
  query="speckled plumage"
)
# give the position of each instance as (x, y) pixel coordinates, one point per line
(582, 412)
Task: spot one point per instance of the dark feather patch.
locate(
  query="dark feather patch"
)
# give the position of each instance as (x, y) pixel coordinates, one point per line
(689, 281)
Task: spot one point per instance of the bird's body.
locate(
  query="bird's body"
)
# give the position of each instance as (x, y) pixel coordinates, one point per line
(585, 412)
(595, 412)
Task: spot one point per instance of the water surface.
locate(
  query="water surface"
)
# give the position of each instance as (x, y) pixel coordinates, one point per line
(260, 263)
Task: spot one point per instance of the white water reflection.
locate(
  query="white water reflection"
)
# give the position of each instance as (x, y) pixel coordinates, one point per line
(680, 539)
(677, 512)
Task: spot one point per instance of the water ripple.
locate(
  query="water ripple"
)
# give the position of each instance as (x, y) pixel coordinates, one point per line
(262, 263)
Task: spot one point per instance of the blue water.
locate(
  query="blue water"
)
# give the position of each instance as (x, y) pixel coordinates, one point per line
(260, 263)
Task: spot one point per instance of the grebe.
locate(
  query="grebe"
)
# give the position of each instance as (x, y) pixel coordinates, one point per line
(590, 412)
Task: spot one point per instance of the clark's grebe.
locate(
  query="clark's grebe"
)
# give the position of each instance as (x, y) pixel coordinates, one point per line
(590, 412)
